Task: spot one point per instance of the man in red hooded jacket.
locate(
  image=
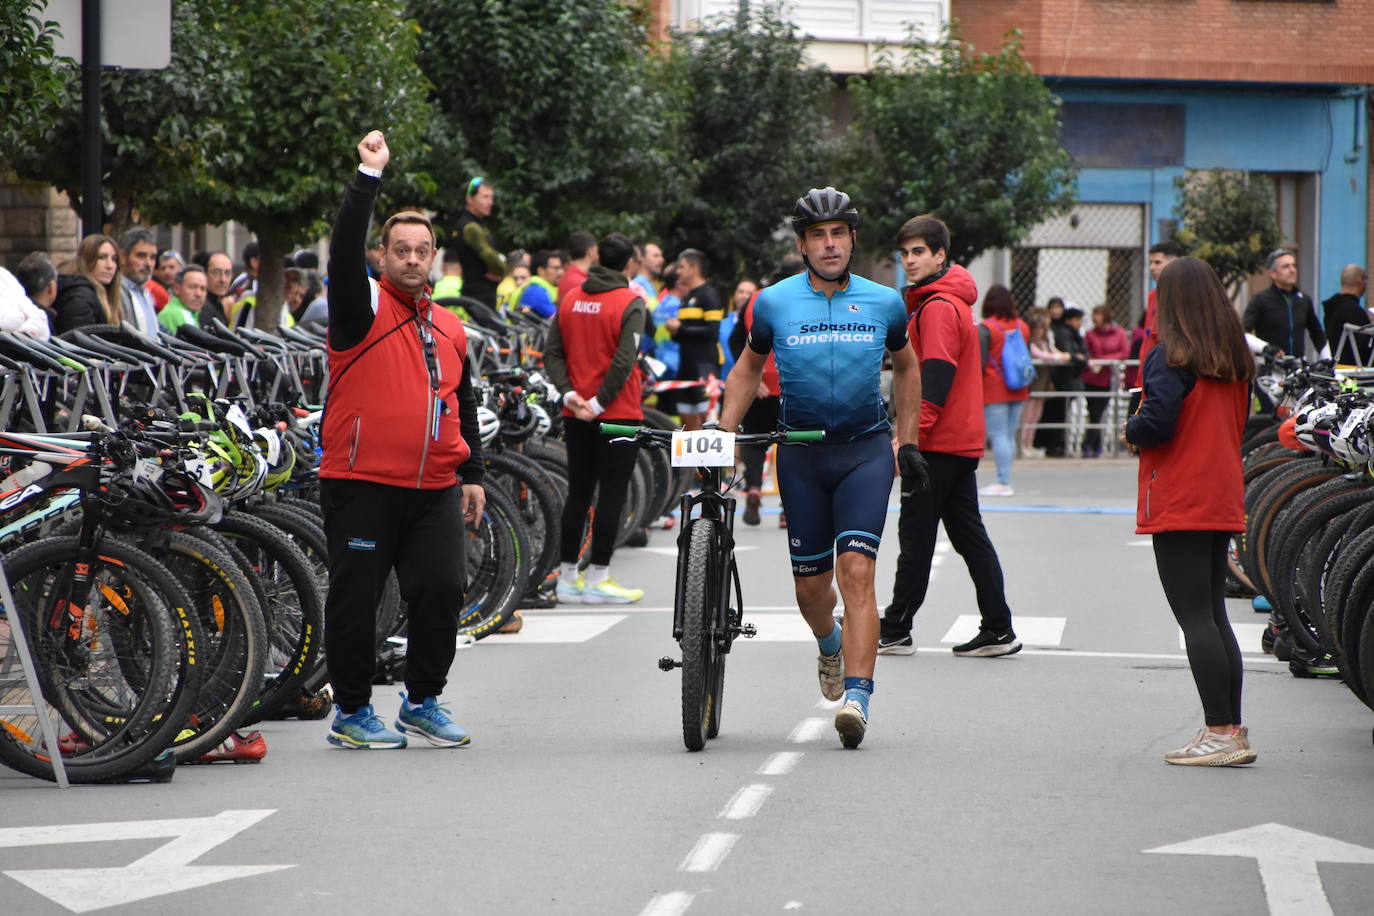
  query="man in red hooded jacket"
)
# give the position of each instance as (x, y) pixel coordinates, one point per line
(945, 335)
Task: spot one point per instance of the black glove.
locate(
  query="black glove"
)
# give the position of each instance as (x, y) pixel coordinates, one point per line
(911, 464)
(1270, 351)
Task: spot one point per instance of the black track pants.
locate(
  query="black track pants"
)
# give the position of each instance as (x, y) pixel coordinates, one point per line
(595, 463)
(373, 528)
(1192, 569)
(762, 417)
(952, 499)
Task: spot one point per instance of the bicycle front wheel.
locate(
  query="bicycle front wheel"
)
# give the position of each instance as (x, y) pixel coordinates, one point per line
(701, 673)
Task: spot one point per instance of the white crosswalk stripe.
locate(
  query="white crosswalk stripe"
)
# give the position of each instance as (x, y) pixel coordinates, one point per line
(1247, 634)
(1033, 631)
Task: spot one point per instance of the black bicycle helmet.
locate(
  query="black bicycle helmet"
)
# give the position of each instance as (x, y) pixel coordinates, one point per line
(823, 205)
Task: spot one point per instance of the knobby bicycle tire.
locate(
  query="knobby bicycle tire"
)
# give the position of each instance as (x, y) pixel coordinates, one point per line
(293, 611)
(236, 640)
(508, 568)
(132, 593)
(699, 594)
(536, 499)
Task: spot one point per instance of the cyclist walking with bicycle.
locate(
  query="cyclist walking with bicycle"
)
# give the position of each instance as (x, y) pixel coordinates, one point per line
(828, 330)
(590, 355)
(402, 467)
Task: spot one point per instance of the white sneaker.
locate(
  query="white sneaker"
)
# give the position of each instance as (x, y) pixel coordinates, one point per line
(851, 723)
(831, 671)
(574, 592)
(996, 489)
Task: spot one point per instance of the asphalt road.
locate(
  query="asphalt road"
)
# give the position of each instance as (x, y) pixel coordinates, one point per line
(1031, 784)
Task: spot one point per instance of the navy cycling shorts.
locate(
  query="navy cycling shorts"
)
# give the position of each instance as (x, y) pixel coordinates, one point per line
(835, 496)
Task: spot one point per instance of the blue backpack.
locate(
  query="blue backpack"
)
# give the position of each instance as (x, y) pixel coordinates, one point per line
(1017, 370)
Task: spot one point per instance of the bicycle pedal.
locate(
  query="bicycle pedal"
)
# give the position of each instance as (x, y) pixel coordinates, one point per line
(668, 664)
(747, 630)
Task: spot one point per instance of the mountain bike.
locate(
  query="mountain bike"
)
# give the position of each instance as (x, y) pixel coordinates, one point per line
(708, 602)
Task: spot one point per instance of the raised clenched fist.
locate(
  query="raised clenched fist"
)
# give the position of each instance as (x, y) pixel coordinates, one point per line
(372, 152)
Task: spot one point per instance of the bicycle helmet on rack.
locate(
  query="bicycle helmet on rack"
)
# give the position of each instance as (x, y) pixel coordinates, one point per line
(542, 421)
(488, 425)
(823, 205)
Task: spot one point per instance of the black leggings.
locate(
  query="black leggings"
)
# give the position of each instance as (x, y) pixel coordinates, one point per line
(594, 461)
(1192, 569)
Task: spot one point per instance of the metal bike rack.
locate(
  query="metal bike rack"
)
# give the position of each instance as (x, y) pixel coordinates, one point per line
(38, 708)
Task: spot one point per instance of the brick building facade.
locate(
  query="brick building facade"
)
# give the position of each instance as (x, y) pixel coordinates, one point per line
(1260, 41)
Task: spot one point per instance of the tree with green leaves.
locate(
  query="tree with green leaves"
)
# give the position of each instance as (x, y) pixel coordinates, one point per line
(551, 103)
(751, 131)
(277, 147)
(245, 126)
(33, 84)
(1228, 219)
(970, 137)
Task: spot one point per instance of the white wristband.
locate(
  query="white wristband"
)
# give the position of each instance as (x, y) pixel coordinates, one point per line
(370, 171)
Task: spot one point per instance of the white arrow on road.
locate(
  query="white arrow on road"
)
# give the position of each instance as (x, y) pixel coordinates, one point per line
(165, 870)
(1287, 862)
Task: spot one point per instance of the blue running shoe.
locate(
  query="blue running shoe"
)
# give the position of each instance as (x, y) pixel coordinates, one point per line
(431, 722)
(364, 729)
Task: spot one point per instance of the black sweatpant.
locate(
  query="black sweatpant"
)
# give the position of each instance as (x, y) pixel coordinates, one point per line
(595, 464)
(952, 499)
(1192, 569)
(762, 417)
(1098, 403)
(373, 528)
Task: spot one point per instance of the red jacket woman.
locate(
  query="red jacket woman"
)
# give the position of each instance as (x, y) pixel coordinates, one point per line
(1191, 497)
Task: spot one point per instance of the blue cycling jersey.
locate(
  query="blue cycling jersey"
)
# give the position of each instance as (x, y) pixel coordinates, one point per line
(829, 352)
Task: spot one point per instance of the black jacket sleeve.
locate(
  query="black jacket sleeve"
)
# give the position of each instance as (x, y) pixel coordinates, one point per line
(1165, 388)
(1314, 327)
(555, 360)
(474, 469)
(350, 295)
(76, 305)
(739, 336)
(626, 353)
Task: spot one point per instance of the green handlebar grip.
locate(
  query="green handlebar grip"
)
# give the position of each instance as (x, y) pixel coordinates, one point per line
(615, 429)
(807, 435)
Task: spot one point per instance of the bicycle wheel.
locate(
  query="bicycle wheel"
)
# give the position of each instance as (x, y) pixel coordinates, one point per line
(699, 594)
(498, 568)
(732, 616)
(293, 611)
(307, 532)
(236, 641)
(118, 689)
(536, 499)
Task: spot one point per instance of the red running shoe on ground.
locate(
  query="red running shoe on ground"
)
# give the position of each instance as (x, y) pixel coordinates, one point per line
(237, 748)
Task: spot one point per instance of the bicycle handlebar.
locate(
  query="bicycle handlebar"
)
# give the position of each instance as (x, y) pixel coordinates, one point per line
(804, 435)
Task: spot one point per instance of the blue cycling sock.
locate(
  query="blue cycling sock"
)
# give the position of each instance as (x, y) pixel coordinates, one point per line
(859, 689)
(830, 644)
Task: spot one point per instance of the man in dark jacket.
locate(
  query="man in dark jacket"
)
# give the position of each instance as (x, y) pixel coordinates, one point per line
(483, 265)
(1282, 314)
(1344, 308)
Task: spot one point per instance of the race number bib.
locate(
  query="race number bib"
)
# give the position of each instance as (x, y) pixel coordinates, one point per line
(703, 448)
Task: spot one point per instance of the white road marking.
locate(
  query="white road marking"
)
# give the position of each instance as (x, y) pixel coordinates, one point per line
(671, 904)
(1145, 543)
(709, 852)
(792, 905)
(809, 730)
(1148, 656)
(1287, 861)
(561, 628)
(1032, 631)
(165, 870)
(1247, 634)
(746, 802)
(781, 763)
(829, 704)
(564, 610)
(941, 547)
(936, 560)
(780, 627)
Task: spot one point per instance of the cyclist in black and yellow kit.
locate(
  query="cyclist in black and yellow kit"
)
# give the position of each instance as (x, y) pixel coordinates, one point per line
(483, 265)
(829, 330)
